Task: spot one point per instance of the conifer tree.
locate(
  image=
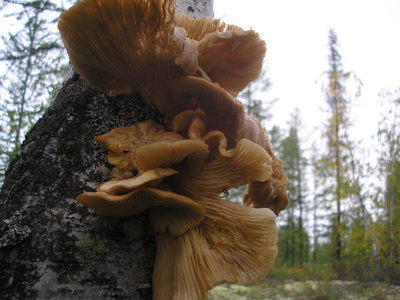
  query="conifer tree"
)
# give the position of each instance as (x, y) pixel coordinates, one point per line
(336, 161)
(33, 58)
(294, 237)
(389, 167)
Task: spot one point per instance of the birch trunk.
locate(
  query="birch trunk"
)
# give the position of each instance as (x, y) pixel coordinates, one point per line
(51, 247)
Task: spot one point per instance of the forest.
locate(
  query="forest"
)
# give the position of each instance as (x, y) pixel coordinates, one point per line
(343, 220)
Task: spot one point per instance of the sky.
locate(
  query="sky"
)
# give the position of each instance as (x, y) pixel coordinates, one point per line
(296, 35)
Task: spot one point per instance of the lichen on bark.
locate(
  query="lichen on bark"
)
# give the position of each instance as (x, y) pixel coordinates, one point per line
(58, 161)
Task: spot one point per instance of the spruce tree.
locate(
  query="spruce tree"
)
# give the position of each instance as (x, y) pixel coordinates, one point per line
(33, 56)
(295, 238)
(389, 168)
(336, 161)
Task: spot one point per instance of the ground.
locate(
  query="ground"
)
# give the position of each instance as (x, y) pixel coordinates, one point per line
(329, 290)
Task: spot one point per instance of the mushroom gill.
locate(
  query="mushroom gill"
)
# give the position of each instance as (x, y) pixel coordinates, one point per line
(234, 243)
(184, 214)
(138, 46)
(179, 181)
(191, 71)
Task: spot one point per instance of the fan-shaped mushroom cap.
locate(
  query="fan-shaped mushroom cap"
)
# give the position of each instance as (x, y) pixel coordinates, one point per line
(228, 55)
(113, 43)
(124, 47)
(148, 145)
(150, 178)
(183, 213)
(232, 58)
(235, 244)
(246, 163)
(270, 193)
(159, 154)
(221, 111)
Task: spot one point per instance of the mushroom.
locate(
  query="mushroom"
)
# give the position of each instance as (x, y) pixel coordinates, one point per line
(234, 243)
(124, 47)
(270, 193)
(147, 145)
(179, 213)
(195, 228)
(191, 70)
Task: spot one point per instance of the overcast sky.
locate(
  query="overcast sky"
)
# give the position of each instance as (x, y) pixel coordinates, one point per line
(296, 34)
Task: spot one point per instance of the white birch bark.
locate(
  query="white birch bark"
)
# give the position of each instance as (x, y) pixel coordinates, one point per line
(196, 8)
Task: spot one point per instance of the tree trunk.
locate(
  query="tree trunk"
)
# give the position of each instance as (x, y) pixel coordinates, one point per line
(196, 8)
(51, 246)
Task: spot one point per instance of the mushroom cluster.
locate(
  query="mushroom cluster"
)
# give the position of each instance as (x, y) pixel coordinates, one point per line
(191, 70)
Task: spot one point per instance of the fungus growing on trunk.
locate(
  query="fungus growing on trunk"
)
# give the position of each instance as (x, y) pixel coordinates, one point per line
(125, 47)
(191, 70)
(196, 230)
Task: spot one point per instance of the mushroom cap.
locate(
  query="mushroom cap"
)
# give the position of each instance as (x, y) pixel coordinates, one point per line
(234, 243)
(221, 110)
(228, 55)
(151, 178)
(217, 110)
(112, 43)
(183, 213)
(270, 193)
(137, 46)
(124, 143)
(191, 153)
(232, 58)
(130, 138)
(246, 163)
(147, 145)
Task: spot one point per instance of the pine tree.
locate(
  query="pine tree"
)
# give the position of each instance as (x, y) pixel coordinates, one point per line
(33, 58)
(295, 238)
(389, 167)
(336, 162)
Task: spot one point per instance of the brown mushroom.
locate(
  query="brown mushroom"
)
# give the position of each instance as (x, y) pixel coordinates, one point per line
(218, 110)
(147, 145)
(270, 193)
(246, 163)
(227, 55)
(150, 178)
(195, 228)
(234, 243)
(124, 47)
(184, 214)
(190, 70)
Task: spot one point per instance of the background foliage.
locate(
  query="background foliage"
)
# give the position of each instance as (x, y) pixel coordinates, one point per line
(343, 221)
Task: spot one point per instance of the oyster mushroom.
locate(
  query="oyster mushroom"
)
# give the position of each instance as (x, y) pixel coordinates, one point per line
(195, 228)
(191, 70)
(137, 46)
(180, 213)
(147, 145)
(234, 243)
(270, 193)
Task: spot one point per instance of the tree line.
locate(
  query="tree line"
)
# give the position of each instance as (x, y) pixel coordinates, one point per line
(343, 212)
(351, 208)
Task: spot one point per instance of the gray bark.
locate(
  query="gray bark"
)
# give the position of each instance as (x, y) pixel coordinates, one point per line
(196, 8)
(50, 245)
